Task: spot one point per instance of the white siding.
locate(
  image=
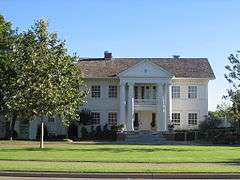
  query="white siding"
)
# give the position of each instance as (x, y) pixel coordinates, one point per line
(184, 105)
(104, 104)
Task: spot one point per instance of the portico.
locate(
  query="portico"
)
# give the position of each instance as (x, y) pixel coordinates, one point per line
(130, 104)
(145, 88)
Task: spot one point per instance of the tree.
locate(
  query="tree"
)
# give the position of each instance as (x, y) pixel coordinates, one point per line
(48, 82)
(8, 38)
(233, 77)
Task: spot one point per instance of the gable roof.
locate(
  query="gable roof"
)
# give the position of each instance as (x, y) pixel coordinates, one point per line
(180, 68)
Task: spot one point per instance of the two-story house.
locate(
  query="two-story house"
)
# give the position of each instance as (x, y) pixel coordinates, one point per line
(140, 93)
(147, 93)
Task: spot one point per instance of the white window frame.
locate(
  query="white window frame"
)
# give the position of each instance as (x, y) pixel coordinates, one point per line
(112, 118)
(95, 118)
(96, 91)
(176, 118)
(112, 91)
(192, 92)
(192, 119)
(176, 92)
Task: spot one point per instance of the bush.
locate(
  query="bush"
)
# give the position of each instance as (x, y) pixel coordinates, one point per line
(84, 132)
(99, 132)
(180, 135)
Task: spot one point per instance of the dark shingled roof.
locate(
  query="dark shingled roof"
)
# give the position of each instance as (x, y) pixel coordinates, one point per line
(180, 68)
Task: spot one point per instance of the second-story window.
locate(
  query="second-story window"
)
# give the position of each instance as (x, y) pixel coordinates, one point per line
(96, 91)
(192, 92)
(175, 91)
(112, 91)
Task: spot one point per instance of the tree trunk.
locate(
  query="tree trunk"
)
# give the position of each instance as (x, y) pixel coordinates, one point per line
(42, 135)
(13, 122)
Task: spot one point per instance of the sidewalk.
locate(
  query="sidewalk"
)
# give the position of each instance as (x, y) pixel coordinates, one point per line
(123, 175)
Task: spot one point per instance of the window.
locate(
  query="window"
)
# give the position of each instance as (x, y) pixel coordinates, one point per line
(192, 92)
(95, 116)
(96, 91)
(112, 91)
(175, 91)
(112, 119)
(192, 119)
(176, 119)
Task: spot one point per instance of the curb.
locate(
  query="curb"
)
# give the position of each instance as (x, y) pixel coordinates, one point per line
(123, 175)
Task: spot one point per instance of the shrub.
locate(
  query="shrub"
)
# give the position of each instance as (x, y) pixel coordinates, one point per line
(99, 132)
(84, 132)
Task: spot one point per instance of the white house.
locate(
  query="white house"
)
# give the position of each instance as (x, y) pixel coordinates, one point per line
(142, 93)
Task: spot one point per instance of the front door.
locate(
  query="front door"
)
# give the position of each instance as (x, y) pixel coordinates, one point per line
(145, 119)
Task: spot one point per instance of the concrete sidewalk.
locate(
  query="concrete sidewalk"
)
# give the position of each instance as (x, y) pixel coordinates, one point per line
(123, 175)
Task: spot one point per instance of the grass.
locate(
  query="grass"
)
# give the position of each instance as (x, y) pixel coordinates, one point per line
(62, 156)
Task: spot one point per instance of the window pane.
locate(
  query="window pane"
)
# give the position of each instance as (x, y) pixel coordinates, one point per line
(192, 91)
(112, 119)
(176, 119)
(112, 91)
(192, 118)
(95, 116)
(175, 91)
(96, 91)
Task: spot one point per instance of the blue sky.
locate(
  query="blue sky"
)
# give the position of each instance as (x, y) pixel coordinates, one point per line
(140, 28)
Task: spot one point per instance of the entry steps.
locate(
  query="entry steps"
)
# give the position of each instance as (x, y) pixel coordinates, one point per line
(147, 137)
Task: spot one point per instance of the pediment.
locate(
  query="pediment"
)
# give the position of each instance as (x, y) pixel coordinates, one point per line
(145, 69)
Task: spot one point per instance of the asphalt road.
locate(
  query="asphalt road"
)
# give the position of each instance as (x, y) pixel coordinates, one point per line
(38, 178)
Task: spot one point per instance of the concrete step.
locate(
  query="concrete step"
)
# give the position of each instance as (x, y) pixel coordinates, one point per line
(146, 137)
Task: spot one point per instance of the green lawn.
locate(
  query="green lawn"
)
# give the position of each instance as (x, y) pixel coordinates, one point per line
(62, 156)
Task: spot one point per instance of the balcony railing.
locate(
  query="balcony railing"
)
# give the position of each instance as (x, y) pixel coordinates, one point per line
(145, 101)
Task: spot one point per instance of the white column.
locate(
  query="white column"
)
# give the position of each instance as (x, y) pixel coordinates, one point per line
(122, 105)
(159, 113)
(170, 103)
(130, 126)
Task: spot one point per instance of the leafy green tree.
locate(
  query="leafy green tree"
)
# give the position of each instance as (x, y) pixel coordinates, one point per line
(233, 77)
(48, 81)
(8, 38)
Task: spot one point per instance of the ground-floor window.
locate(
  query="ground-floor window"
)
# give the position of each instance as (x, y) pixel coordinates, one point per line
(192, 118)
(176, 119)
(112, 119)
(95, 117)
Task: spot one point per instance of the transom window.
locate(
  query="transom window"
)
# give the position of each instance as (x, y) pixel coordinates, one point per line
(96, 91)
(112, 119)
(175, 91)
(112, 91)
(176, 119)
(95, 117)
(192, 92)
(192, 118)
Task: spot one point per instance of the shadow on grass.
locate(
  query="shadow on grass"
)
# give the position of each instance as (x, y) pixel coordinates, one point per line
(100, 149)
(234, 162)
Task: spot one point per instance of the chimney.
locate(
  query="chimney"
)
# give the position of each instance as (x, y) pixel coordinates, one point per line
(107, 55)
(176, 56)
